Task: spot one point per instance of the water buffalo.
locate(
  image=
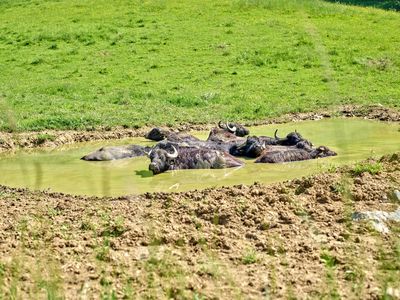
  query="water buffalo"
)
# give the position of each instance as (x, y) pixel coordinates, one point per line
(235, 128)
(117, 152)
(169, 156)
(223, 140)
(253, 146)
(321, 152)
(223, 136)
(159, 134)
(278, 154)
(291, 139)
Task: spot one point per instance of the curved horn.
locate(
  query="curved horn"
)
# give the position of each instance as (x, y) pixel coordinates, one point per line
(263, 146)
(276, 137)
(148, 153)
(220, 125)
(232, 129)
(173, 155)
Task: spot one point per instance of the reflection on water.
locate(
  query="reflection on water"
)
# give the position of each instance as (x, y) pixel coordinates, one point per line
(61, 170)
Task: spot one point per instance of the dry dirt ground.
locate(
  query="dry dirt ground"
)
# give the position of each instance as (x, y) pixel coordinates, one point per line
(52, 138)
(294, 239)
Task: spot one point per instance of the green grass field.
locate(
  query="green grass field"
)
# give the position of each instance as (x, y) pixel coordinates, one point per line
(73, 64)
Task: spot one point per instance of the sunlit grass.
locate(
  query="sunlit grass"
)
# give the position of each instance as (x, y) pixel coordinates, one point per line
(84, 64)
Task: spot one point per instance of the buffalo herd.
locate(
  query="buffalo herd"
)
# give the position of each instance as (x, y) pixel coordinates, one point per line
(176, 151)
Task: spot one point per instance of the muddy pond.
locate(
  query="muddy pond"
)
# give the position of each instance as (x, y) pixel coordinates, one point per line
(61, 170)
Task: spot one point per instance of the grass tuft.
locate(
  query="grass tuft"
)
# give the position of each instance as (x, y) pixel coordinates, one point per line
(250, 257)
(371, 168)
(43, 138)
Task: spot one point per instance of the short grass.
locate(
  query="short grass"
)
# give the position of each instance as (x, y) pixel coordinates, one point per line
(82, 64)
(372, 168)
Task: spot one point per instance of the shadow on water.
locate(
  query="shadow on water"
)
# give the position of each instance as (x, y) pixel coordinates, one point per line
(382, 4)
(144, 173)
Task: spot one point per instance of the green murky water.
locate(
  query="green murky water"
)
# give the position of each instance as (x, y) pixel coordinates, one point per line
(61, 170)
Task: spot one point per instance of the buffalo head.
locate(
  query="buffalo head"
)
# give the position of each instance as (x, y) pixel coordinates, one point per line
(162, 158)
(291, 139)
(221, 136)
(322, 151)
(157, 134)
(251, 148)
(235, 128)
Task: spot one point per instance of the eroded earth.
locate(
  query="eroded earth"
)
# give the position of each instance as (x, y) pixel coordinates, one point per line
(292, 239)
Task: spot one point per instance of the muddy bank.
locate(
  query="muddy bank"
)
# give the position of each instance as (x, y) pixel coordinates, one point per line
(51, 138)
(293, 239)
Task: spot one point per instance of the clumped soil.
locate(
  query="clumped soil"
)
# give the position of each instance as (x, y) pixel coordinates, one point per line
(292, 239)
(53, 138)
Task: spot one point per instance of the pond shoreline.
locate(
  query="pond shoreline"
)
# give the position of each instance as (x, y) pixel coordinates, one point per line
(60, 169)
(338, 171)
(55, 138)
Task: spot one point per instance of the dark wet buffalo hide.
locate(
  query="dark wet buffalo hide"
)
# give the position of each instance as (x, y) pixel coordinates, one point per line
(223, 136)
(158, 134)
(279, 154)
(252, 147)
(291, 139)
(188, 157)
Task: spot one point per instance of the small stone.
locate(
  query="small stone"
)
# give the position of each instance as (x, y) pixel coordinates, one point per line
(79, 249)
(24, 277)
(93, 276)
(142, 253)
(397, 194)
(251, 236)
(395, 293)
(286, 218)
(330, 209)
(284, 198)
(90, 267)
